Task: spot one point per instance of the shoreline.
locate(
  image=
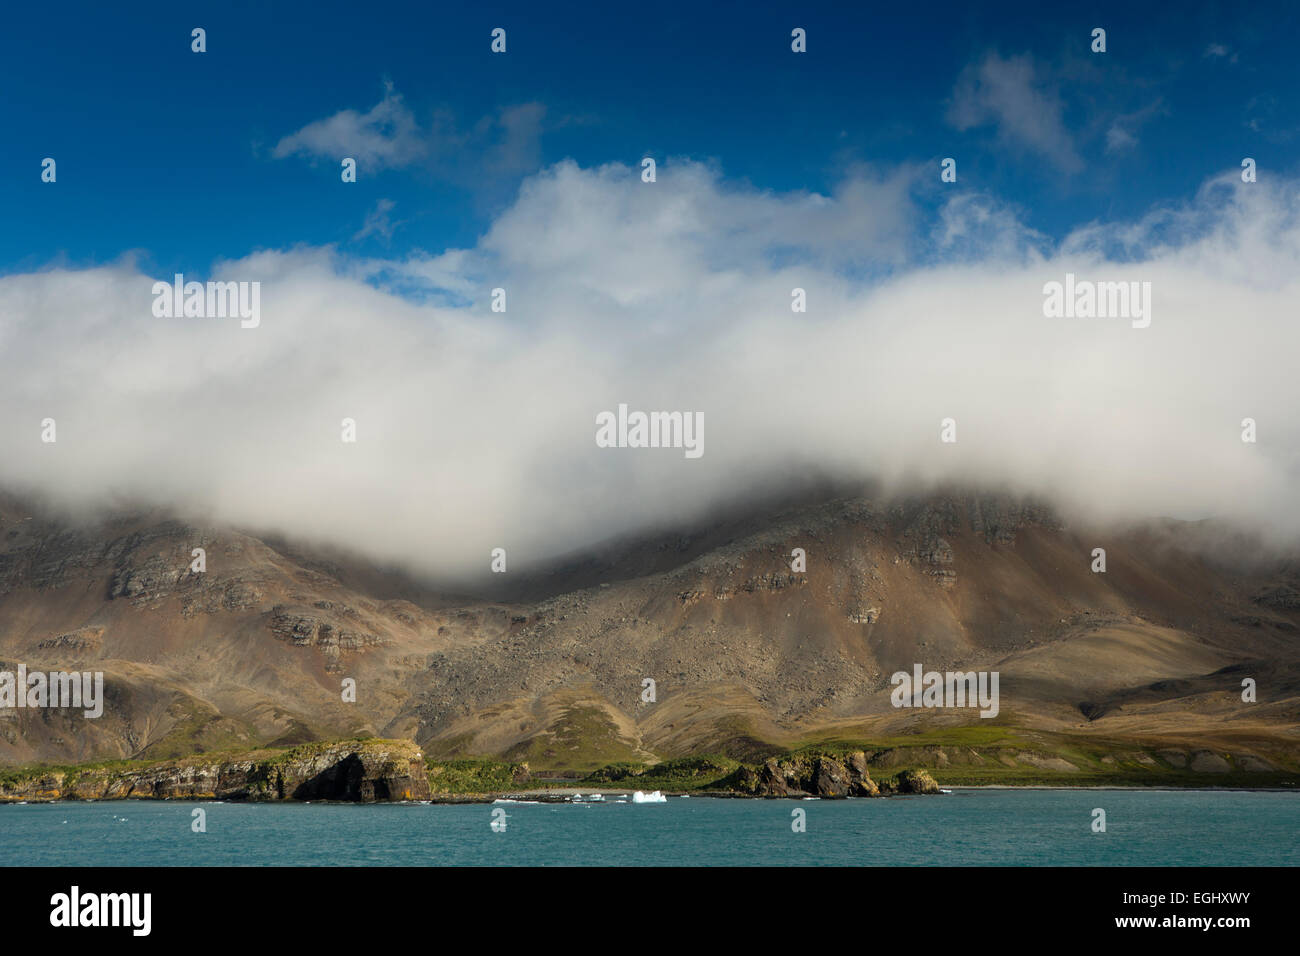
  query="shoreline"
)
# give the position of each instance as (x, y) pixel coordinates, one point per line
(563, 795)
(375, 770)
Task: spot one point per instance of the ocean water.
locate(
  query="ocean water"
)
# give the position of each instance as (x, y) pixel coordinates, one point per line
(967, 827)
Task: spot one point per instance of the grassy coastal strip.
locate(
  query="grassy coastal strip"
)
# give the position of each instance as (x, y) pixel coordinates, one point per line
(371, 769)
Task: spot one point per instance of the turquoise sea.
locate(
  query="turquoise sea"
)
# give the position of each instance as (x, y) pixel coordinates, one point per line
(972, 827)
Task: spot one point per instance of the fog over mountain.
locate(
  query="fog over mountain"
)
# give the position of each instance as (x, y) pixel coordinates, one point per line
(476, 429)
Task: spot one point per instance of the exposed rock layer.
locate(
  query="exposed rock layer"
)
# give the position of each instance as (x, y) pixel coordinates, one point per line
(364, 772)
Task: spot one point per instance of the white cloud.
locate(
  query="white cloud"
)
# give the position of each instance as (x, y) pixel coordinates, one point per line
(476, 429)
(378, 222)
(386, 135)
(1025, 107)
(500, 146)
(1121, 135)
(1119, 139)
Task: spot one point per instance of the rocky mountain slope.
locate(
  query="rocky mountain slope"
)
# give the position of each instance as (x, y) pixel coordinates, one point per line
(749, 655)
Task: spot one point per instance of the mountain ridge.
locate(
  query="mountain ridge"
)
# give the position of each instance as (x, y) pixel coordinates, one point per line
(749, 656)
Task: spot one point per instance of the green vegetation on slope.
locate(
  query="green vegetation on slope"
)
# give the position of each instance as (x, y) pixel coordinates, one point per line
(582, 738)
(683, 773)
(475, 776)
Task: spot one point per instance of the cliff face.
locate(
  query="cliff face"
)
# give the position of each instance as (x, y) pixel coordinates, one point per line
(354, 771)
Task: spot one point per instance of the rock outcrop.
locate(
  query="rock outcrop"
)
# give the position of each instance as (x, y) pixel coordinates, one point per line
(914, 781)
(824, 775)
(802, 775)
(353, 771)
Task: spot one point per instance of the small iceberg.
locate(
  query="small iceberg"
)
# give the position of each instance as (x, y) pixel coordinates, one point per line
(655, 797)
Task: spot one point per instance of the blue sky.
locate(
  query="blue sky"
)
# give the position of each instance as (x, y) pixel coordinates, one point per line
(172, 154)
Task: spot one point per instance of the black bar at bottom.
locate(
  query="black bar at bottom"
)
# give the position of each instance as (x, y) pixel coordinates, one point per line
(944, 906)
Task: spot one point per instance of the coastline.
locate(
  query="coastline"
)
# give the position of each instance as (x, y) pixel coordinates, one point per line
(370, 770)
(563, 796)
